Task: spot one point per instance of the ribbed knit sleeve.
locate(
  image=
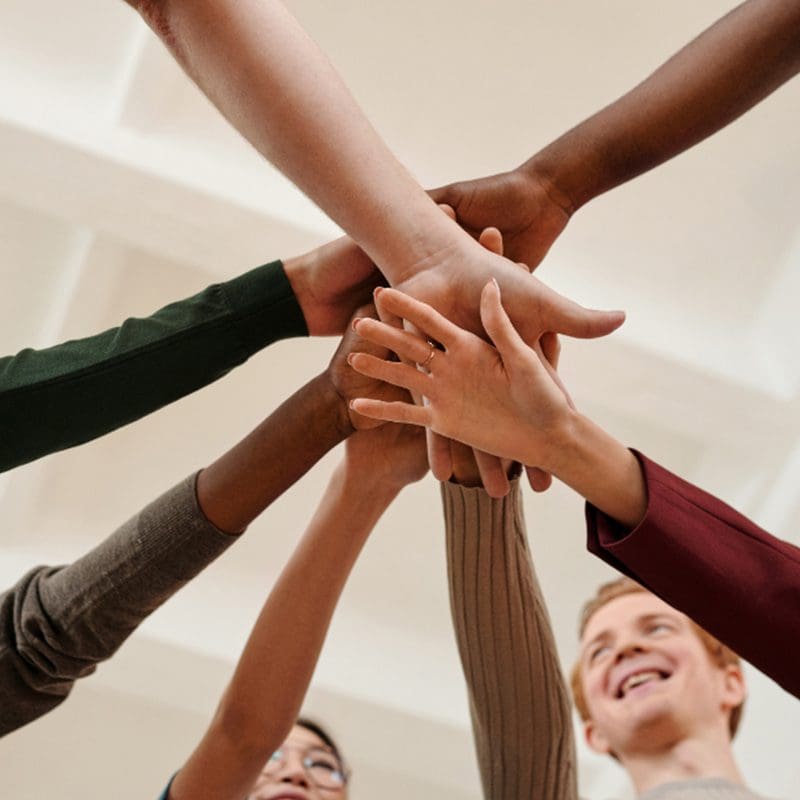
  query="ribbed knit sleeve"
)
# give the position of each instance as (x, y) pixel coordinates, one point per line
(518, 698)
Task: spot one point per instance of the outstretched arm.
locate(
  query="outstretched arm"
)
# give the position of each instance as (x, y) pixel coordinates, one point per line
(712, 81)
(74, 392)
(688, 547)
(57, 624)
(264, 696)
(274, 85)
(521, 716)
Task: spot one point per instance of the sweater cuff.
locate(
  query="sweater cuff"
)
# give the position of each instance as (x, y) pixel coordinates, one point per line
(264, 306)
(604, 532)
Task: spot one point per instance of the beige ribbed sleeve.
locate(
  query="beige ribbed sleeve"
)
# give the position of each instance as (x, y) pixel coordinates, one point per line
(518, 698)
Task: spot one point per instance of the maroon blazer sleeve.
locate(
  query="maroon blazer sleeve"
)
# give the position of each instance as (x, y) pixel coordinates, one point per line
(734, 579)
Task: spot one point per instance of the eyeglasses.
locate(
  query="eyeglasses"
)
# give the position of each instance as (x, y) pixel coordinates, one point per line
(323, 768)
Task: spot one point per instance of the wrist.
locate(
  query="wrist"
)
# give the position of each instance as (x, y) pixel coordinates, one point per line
(564, 174)
(601, 469)
(335, 404)
(433, 239)
(299, 271)
(368, 488)
(565, 445)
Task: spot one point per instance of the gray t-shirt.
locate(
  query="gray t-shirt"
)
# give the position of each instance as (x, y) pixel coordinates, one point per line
(701, 789)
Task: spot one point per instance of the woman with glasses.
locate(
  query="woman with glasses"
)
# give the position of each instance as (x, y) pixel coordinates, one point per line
(309, 759)
(246, 753)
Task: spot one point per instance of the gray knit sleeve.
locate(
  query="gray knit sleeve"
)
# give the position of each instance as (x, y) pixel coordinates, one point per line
(58, 623)
(518, 699)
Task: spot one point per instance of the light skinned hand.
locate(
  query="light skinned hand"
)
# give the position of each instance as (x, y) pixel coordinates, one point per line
(452, 282)
(504, 399)
(493, 474)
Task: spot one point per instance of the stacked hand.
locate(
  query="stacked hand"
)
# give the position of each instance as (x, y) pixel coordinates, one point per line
(503, 399)
(394, 454)
(520, 203)
(330, 283)
(452, 281)
(349, 384)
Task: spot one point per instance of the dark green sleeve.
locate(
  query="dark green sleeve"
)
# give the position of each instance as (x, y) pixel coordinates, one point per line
(69, 394)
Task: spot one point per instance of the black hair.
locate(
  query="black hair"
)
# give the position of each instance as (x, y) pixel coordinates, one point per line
(318, 730)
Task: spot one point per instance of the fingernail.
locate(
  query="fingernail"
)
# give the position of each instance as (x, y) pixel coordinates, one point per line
(355, 323)
(378, 290)
(496, 285)
(350, 359)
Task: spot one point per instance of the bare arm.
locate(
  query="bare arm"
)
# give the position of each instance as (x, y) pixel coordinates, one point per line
(715, 79)
(59, 623)
(274, 85)
(264, 696)
(723, 73)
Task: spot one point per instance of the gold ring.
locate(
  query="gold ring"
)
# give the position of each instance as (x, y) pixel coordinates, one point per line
(430, 355)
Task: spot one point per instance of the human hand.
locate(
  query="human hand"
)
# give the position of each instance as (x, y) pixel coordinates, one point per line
(349, 384)
(504, 400)
(465, 466)
(519, 203)
(451, 281)
(390, 455)
(446, 456)
(330, 283)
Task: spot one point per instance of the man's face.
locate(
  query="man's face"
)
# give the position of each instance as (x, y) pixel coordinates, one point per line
(303, 769)
(648, 680)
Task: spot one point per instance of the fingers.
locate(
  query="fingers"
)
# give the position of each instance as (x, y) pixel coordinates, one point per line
(439, 456)
(384, 316)
(449, 210)
(492, 240)
(409, 347)
(397, 322)
(392, 372)
(539, 480)
(556, 378)
(419, 314)
(395, 411)
(445, 195)
(495, 321)
(493, 476)
(551, 348)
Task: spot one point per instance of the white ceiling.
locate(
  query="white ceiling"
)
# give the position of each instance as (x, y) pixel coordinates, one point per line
(121, 190)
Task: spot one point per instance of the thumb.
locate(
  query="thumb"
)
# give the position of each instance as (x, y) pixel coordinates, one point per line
(496, 323)
(445, 195)
(562, 315)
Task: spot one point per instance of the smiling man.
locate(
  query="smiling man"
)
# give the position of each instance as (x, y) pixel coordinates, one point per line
(659, 694)
(654, 690)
